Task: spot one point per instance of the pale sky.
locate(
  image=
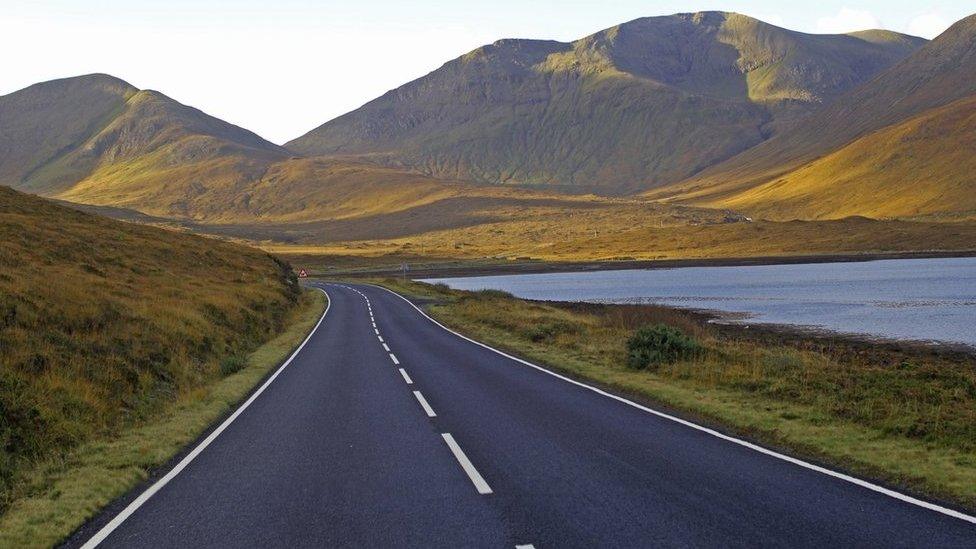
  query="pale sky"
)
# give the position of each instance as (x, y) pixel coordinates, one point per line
(281, 68)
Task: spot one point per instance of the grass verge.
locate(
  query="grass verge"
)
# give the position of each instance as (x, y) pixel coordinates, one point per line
(905, 415)
(59, 495)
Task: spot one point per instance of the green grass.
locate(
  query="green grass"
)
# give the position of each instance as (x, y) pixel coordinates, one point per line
(900, 414)
(61, 493)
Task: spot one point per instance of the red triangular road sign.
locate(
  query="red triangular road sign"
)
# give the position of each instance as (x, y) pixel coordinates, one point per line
(302, 273)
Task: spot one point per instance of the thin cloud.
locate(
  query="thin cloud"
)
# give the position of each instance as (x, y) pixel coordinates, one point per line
(928, 25)
(847, 20)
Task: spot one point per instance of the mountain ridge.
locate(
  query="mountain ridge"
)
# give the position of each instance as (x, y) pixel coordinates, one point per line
(577, 115)
(921, 87)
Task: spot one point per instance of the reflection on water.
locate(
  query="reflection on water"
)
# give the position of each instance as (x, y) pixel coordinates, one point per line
(917, 299)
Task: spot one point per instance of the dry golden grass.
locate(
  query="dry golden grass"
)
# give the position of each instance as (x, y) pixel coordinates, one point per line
(896, 146)
(59, 495)
(102, 322)
(919, 167)
(643, 233)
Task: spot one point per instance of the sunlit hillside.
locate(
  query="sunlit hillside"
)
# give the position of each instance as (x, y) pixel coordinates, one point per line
(102, 321)
(899, 145)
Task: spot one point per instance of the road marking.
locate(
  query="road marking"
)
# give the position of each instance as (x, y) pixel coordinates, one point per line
(424, 405)
(159, 484)
(473, 474)
(406, 377)
(394, 359)
(795, 461)
(386, 347)
(379, 337)
(377, 331)
(526, 546)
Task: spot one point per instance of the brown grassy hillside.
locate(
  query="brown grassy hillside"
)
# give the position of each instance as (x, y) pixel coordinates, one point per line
(923, 166)
(58, 133)
(631, 107)
(557, 235)
(909, 130)
(101, 321)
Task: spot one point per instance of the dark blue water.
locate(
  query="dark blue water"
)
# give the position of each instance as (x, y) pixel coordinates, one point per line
(914, 299)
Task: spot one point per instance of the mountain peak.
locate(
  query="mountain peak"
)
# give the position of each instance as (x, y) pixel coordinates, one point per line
(95, 81)
(591, 115)
(58, 133)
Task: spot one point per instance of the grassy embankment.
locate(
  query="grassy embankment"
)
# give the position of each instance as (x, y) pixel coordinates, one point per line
(897, 413)
(121, 343)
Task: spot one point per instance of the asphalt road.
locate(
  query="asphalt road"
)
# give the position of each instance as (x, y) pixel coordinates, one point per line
(405, 434)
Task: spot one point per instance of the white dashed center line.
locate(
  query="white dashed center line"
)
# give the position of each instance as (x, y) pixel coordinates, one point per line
(406, 377)
(479, 482)
(424, 405)
(473, 474)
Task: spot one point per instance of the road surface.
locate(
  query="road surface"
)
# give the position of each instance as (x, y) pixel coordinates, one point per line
(386, 429)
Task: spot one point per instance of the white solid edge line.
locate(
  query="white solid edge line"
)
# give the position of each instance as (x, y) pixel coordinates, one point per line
(159, 484)
(795, 461)
(394, 359)
(406, 377)
(424, 404)
(473, 474)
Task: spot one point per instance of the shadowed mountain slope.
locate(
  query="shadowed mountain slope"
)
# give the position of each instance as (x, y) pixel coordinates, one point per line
(58, 133)
(632, 107)
(140, 150)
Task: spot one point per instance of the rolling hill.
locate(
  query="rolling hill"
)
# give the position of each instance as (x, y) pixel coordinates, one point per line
(102, 322)
(900, 145)
(58, 133)
(632, 107)
(140, 150)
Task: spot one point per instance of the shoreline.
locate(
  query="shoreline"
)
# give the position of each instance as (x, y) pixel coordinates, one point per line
(743, 322)
(731, 324)
(463, 269)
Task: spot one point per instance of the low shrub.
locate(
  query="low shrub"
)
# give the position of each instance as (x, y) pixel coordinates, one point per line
(658, 344)
(232, 364)
(547, 331)
(494, 294)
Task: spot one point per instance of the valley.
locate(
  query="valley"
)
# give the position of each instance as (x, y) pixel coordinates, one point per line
(149, 296)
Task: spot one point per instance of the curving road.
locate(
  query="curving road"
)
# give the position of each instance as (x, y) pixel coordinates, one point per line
(386, 429)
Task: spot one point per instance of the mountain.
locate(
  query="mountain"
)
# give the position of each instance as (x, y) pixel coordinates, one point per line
(900, 145)
(58, 133)
(97, 140)
(632, 107)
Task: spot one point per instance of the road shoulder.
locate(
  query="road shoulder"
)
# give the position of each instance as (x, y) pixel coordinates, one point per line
(74, 494)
